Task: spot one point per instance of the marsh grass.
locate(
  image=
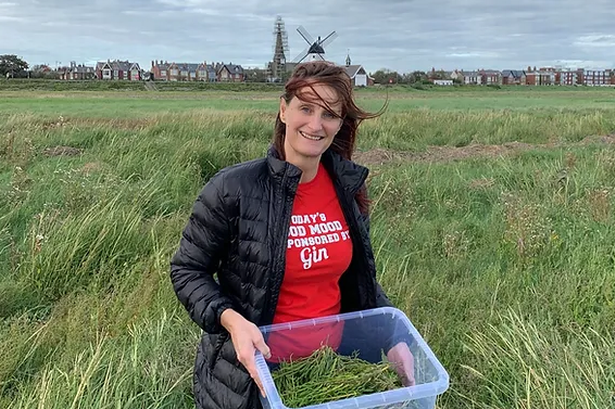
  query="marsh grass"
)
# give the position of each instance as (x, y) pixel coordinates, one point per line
(505, 264)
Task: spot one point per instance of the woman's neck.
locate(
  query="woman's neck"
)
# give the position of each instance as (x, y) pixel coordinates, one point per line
(308, 166)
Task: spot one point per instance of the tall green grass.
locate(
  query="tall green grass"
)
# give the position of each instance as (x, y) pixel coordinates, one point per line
(504, 263)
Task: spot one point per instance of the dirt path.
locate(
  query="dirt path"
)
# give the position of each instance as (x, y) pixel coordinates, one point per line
(380, 156)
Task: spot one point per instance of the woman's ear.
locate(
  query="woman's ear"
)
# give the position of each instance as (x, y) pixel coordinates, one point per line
(283, 110)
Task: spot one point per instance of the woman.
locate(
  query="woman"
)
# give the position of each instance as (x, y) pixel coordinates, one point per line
(288, 238)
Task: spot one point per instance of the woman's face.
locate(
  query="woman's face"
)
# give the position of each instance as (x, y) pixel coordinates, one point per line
(310, 128)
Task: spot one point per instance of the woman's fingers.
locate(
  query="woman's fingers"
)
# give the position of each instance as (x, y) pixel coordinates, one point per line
(251, 367)
(245, 355)
(262, 347)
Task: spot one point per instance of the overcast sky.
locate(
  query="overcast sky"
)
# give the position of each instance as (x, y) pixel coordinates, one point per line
(402, 35)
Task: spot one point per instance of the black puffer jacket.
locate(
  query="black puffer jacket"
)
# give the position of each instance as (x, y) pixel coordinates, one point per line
(238, 230)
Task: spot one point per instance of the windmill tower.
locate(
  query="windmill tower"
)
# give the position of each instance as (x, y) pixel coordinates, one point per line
(316, 48)
(278, 65)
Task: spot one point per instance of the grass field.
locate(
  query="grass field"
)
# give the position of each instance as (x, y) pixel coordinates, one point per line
(492, 223)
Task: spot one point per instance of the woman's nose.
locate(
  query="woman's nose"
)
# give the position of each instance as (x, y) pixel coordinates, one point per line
(316, 123)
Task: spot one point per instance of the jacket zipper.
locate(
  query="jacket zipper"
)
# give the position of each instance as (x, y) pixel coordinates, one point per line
(280, 257)
(351, 219)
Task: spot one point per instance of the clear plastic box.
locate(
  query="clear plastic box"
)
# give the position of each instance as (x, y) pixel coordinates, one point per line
(371, 333)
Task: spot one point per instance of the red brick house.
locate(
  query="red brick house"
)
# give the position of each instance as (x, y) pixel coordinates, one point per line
(164, 71)
(490, 77)
(229, 73)
(596, 78)
(547, 75)
(568, 77)
(543, 76)
(513, 77)
(531, 75)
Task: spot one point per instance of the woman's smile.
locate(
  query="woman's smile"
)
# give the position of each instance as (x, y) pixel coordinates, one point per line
(311, 137)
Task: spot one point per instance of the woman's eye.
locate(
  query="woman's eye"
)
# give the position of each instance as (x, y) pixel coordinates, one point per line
(305, 109)
(328, 115)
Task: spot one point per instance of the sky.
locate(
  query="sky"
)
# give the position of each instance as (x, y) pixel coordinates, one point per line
(400, 35)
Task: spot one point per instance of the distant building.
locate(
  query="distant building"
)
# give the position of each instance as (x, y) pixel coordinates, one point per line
(433, 75)
(230, 73)
(568, 77)
(542, 76)
(513, 77)
(596, 78)
(490, 77)
(77, 72)
(357, 74)
(118, 70)
(470, 77)
(164, 71)
(443, 82)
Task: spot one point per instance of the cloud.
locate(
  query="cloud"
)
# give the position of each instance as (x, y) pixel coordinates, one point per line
(474, 54)
(596, 40)
(403, 35)
(12, 19)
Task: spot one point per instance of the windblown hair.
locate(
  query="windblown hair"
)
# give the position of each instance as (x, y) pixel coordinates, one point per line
(326, 73)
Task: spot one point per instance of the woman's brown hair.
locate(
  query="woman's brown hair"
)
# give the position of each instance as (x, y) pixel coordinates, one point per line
(326, 73)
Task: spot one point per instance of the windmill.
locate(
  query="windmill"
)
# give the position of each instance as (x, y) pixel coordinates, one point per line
(316, 48)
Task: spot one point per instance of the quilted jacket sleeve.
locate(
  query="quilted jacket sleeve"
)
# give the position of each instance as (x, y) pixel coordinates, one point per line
(204, 240)
(381, 298)
(393, 333)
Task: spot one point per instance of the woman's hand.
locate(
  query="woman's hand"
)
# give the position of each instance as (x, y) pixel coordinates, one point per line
(403, 362)
(246, 338)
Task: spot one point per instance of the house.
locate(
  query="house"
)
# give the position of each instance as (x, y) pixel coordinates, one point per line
(457, 76)
(77, 72)
(358, 76)
(212, 75)
(547, 75)
(229, 73)
(568, 77)
(165, 71)
(513, 77)
(443, 82)
(490, 77)
(542, 76)
(439, 75)
(531, 77)
(462, 77)
(118, 70)
(206, 72)
(467, 77)
(596, 78)
(158, 70)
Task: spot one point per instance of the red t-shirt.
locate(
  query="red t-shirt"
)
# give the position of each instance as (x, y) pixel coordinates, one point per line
(319, 250)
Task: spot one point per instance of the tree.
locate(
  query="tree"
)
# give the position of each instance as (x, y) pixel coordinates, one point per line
(255, 75)
(386, 76)
(43, 71)
(12, 65)
(415, 77)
